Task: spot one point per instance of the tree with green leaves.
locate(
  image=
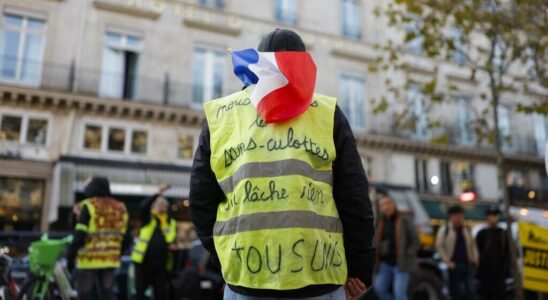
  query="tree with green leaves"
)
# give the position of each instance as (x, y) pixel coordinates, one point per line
(501, 44)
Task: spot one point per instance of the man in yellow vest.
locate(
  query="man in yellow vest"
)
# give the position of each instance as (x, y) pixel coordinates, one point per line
(151, 252)
(282, 206)
(100, 237)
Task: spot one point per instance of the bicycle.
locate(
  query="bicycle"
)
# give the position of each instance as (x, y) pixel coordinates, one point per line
(48, 278)
(8, 286)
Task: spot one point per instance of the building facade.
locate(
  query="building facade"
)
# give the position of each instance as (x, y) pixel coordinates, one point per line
(116, 87)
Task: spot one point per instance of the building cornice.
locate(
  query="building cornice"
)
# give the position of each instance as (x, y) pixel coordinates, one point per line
(451, 152)
(17, 96)
(126, 9)
(349, 52)
(212, 21)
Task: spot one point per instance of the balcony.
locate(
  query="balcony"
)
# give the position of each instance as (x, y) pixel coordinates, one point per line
(91, 82)
(451, 135)
(168, 94)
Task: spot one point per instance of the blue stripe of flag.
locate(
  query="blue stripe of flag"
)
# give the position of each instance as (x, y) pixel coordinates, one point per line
(241, 61)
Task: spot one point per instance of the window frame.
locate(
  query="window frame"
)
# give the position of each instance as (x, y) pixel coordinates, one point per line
(24, 31)
(345, 30)
(539, 142)
(23, 134)
(131, 132)
(208, 74)
(116, 127)
(422, 178)
(458, 55)
(214, 4)
(280, 12)
(195, 142)
(412, 46)
(505, 145)
(82, 134)
(128, 138)
(418, 117)
(122, 46)
(459, 99)
(354, 78)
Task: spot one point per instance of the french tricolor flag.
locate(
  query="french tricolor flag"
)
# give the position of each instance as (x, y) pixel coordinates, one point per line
(284, 81)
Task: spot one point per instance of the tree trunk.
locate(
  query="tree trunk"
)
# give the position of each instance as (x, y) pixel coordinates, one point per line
(502, 174)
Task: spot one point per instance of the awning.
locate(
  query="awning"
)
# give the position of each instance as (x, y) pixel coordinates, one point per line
(438, 209)
(126, 177)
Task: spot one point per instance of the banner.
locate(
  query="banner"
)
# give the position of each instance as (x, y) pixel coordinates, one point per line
(534, 243)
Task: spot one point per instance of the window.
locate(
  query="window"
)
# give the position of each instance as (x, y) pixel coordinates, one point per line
(531, 66)
(446, 178)
(419, 113)
(37, 131)
(505, 126)
(208, 69)
(414, 42)
(421, 176)
(498, 57)
(465, 175)
(286, 11)
(139, 141)
(457, 54)
(213, 3)
(93, 137)
(515, 178)
(119, 65)
(23, 129)
(465, 132)
(116, 139)
(10, 128)
(350, 18)
(541, 132)
(186, 146)
(368, 166)
(352, 99)
(21, 48)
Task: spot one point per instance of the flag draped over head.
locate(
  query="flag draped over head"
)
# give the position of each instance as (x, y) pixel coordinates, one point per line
(284, 80)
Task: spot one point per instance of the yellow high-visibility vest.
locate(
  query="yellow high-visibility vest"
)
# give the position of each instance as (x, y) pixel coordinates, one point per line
(278, 226)
(105, 233)
(169, 231)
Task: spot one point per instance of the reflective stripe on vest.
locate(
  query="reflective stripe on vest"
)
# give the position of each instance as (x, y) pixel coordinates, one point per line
(139, 249)
(278, 227)
(105, 232)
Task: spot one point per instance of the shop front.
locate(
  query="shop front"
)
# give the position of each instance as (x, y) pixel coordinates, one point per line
(130, 182)
(24, 194)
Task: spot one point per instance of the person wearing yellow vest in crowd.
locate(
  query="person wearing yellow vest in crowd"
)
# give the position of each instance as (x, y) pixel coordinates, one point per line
(151, 252)
(101, 235)
(278, 193)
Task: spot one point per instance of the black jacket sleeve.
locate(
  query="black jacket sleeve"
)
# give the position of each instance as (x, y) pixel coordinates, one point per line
(128, 239)
(78, 238)
(351, 193)
(145, 207)
(205, 194)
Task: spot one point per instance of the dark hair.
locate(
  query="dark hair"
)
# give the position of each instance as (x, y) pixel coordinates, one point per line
(455, 209)
(381, 193)
(492, 210)
(97, 187)
(281, 40)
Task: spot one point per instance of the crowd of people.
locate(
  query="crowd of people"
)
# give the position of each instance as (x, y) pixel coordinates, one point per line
(102, 234)
(282, 204)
